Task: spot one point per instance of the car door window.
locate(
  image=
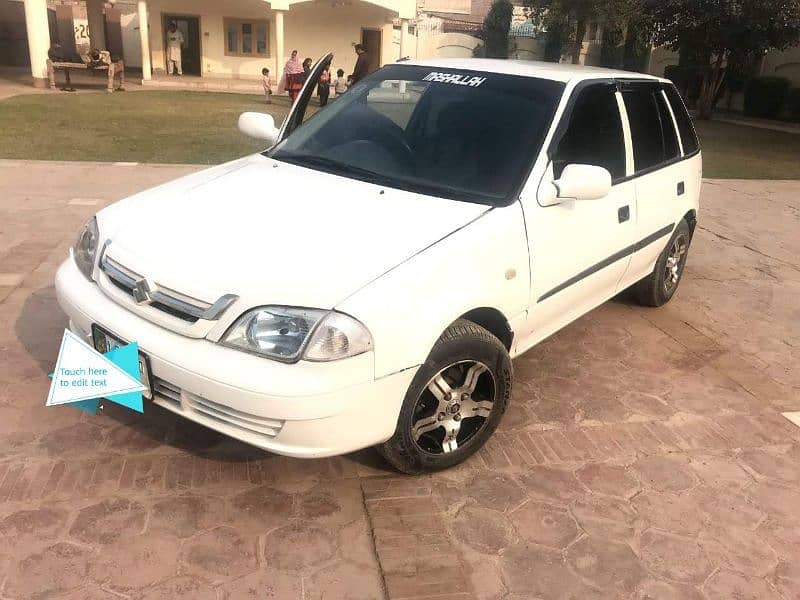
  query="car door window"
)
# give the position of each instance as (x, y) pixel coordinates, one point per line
(685, 127)
(645, 123)
(594, 133)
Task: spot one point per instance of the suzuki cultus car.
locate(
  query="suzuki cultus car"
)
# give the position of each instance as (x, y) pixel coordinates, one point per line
(367, 279)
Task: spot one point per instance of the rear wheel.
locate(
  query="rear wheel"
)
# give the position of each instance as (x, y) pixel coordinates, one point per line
(454, 402)
(659, 287)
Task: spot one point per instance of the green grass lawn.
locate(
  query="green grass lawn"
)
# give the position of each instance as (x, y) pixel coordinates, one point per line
(741, 152)
(192, 127)
(159, 127)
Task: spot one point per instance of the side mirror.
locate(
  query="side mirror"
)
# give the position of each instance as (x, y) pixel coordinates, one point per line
(260, 126)
(583, 182)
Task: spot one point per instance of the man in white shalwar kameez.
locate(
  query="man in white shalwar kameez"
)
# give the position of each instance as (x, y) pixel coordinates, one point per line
(174, 45)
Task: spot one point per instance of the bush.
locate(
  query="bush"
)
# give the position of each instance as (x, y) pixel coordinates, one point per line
(793, 105)
(764, 96)
(495, 29)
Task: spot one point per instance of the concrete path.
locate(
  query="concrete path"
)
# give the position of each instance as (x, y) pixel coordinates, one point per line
(644, 454)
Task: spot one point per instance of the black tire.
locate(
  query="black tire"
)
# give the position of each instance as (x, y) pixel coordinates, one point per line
(464, 349)
(658, 288)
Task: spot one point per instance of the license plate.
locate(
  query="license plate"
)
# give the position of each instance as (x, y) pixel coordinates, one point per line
(105, 342)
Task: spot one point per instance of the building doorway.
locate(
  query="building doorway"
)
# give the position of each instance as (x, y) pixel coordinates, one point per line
(190, 54)
(372, 39)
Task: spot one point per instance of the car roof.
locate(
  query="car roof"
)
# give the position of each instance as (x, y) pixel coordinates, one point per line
(531, 68)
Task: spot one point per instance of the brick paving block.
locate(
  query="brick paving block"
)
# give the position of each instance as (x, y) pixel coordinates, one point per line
(220, 553)
(526, 439)
(55, 569)
(561, 446)
(376, 488)
(607, 565)
(492, 455)
(53, 480)
(514, 451)
(298, 546)
(108, 520)
(726, 584)
(601, 437)
(179, 473)
(546, 444)
(482, 529)
(661, 431)
(13, 473)
(76, 479)
(582, 444)
(675, 557)
(403, 507)
(612, 480)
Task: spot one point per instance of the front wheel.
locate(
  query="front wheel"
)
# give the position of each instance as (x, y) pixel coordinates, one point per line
(659, 287)
(454, 402)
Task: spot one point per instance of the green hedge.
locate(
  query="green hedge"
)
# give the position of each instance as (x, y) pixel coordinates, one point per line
(793, 105)
(764, 96)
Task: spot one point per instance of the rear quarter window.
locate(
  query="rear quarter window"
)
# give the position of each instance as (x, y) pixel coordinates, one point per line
(685, 126)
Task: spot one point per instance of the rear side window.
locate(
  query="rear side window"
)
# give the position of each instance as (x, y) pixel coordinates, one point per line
(652, 129)
(685, 127)
(594, 133)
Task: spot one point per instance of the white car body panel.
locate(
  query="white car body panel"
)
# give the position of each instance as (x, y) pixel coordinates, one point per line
(404, 264)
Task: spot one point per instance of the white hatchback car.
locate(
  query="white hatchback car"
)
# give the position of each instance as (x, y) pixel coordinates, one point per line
(367, 279)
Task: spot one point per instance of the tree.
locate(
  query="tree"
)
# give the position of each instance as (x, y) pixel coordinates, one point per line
(718, 33)
(495, 29)
(564, 22)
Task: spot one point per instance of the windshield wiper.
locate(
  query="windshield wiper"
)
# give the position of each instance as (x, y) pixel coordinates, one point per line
(407, 184)
(332, 166)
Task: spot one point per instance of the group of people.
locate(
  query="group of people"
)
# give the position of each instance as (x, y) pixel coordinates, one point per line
(295, 74)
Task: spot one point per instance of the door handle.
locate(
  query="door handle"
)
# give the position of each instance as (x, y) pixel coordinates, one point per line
(681, 188)
(624, 213)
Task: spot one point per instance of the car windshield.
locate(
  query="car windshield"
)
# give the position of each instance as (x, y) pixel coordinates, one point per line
(459, 134)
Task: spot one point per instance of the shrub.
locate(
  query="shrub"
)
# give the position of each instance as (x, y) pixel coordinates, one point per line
(764, 96)
(793, 105)
(495, 29)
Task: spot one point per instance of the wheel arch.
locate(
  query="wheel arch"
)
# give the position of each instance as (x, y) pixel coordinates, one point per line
(691, 219)
(493, 321)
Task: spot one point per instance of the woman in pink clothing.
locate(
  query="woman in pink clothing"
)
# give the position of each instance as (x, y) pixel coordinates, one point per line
(292, 79)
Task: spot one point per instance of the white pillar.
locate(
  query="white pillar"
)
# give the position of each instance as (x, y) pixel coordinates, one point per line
(97, 21)
(38, 39)
(280, 53)
(404, 45)
(144, 37)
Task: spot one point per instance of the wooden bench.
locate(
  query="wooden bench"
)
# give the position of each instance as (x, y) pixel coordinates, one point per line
(115, 68)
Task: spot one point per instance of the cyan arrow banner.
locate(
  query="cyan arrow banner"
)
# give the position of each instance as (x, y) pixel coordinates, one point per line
(83, 376)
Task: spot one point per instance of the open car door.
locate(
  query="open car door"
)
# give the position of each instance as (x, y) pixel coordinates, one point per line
(298, 110)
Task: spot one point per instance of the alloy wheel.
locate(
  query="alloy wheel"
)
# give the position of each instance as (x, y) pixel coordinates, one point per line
(674, 264)
(453, 407)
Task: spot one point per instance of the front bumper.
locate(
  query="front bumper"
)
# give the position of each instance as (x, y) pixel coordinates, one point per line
(304, 409)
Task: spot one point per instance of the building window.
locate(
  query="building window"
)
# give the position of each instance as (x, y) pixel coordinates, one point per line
(246, 38)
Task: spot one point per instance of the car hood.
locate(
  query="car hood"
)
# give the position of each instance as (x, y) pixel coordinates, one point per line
(274, 233)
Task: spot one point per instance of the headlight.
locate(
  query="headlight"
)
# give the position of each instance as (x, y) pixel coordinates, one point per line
(288, 334)
(85, 249)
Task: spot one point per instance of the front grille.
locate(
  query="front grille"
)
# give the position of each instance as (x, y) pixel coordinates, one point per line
(164, 299)
(166, 390)
(170, 395)
(230, 416)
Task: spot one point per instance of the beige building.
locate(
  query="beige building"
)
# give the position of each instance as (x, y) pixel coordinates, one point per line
(234, 38)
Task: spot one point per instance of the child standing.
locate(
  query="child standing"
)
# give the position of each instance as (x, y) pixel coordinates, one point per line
(340, 84)
(324, 87)
(267, 86)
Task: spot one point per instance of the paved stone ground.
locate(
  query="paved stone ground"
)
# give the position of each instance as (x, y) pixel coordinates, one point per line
(644, 454)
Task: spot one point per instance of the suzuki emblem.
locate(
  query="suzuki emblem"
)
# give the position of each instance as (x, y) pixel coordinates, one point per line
(142, 292)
